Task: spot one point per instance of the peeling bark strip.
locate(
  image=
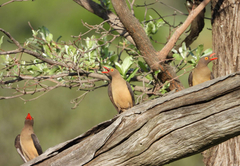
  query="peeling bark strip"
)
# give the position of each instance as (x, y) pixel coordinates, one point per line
(159, 131)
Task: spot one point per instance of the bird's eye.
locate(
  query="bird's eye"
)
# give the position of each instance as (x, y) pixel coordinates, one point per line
(111, 69)
(206, 58)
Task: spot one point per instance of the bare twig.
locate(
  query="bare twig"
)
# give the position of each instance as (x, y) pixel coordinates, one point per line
(78, 100)
(6, 3)
(35, 91)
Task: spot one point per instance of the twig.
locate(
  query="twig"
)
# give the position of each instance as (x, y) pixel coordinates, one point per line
(35, 91)
(81, 97)
(6, 3)
(114, 21)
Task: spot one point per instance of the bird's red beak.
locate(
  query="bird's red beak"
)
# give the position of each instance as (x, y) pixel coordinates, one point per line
(213, 58)
(106, 69)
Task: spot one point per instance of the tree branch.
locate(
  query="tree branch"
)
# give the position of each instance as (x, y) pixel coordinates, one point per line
(113, 20)
(193, 14)
(159, 131)
(144, 45)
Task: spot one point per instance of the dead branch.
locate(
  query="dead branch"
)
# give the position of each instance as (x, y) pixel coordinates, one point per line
(159, 131)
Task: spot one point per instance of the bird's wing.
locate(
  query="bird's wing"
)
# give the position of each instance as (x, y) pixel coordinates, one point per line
(212, 77)
(36, 144)
(18, 147)
(190, 77)
(111, 96)
(131, 92)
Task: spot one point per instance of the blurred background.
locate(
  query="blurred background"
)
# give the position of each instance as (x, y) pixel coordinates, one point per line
(55, 121)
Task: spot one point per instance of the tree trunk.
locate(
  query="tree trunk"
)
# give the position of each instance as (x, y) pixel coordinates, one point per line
(157, 132)
(226, 39)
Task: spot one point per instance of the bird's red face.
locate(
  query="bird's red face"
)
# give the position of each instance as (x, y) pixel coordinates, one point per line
(29, 117)
(108, 70)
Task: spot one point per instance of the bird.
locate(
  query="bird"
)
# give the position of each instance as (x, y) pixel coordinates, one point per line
(201, 72)
(27, 143)
(119, 91)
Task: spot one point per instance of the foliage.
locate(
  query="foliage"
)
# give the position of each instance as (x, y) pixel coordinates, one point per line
(55, 63)
(195, 54)
(72, 62)
(153, 25)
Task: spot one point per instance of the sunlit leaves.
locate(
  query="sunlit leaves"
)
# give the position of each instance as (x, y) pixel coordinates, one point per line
(89, 54)
(182, 52)
(190, 56)
(163, 90)
(197, 53)
(152, 26)
(125, 66)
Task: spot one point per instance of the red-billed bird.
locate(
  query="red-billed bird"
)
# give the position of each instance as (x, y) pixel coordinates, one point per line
(119, 91)
(27, 143)
(201, 72)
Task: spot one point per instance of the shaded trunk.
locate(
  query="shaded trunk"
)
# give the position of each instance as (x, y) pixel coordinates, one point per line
(226, 39)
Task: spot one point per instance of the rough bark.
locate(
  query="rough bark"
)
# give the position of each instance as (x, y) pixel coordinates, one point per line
(226, 39)
(145, 46)
(159, 131)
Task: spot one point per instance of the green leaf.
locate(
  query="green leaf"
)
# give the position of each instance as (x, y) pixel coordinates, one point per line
(32, 68)
(150, 28)
(149, 77)
(37, 74)
(1, 41)
(113, 58)
(91, 42)
(177, 57)
(156, 72)
(166, 85)
(119, 68)
(160, 23)
(44, 30)
(183, 50)
(132, 74)
(193, 62)
(127, 62)
(49, 37)
(142, 66)
(175, 51)
(58, 38)
(199, 50)
(53, 70)
(35, 33)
